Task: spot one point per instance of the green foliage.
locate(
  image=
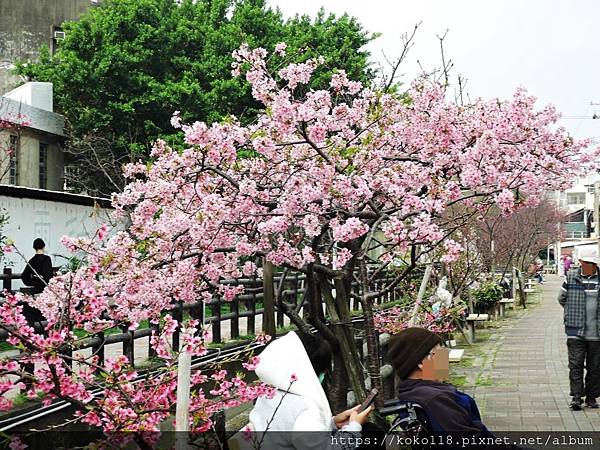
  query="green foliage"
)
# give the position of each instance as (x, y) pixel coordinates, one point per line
(126, 66)
(486, 295)
(73, 264)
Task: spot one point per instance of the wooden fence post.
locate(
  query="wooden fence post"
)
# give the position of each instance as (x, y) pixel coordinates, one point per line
(128, 344)
(251, 321)
(235, 320)
(178, 316)
(98, 349)
(268, 299)
(7, 283)
(156, 328)
(216, 325)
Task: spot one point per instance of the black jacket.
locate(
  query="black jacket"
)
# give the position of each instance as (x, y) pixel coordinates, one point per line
(38, 272)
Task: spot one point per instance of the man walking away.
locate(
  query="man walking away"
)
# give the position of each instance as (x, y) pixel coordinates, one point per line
(579, 298)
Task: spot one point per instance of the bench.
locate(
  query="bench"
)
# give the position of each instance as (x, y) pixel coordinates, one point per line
(472, 319)
(506, 303)
(456, 354)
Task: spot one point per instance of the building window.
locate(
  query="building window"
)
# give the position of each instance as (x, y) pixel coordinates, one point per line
(13, 160)
(57, 35)
(575, 198)
(590, 189)
(43, 165)
(70, 177)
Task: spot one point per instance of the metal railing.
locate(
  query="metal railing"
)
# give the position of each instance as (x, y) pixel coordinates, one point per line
(213, 313)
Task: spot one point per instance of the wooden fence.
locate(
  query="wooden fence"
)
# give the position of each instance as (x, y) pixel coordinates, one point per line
(214, 313)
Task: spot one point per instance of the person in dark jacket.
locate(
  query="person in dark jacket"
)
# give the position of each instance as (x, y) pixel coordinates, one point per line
(38, 271)
(36, 275)
(421, 363)
(579, 298)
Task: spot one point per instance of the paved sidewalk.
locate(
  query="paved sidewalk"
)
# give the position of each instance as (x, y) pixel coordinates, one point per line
(526, 378)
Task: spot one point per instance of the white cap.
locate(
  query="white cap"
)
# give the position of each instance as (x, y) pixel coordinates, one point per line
(591, 259)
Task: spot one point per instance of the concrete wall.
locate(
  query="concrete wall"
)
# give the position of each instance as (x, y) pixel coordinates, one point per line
(50, 220)
(27, 24)
(35, 118)
(29, 161)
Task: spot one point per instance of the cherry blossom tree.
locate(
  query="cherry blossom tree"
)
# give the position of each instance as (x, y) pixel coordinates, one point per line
(519, 238)
(327, 177)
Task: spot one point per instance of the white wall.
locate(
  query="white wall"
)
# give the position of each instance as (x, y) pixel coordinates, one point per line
(580, 185)
(50, 220)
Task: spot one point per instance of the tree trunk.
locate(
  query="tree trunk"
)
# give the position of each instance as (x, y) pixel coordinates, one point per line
(338, 385)
(345, 338)
(373, 363)
(522, 294)
(268, 299)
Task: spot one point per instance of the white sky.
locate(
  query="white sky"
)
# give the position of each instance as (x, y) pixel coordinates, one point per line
(551, 47)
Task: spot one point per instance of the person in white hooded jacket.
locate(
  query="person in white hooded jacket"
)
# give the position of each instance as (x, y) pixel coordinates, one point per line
(295, 364)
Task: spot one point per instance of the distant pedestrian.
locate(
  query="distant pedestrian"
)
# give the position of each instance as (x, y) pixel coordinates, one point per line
(36, 275)
(568, 263)
(579, 298)
(539, 270)
(561, 266)
(38, 271)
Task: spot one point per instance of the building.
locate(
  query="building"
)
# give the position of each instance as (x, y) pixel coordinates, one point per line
(31, 135)
(26, 25)
(34, 213)
(579, 202)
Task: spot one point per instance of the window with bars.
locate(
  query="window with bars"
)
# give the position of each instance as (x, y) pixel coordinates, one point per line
(71, 174)
(57, 35)
(576, 198)
(43, 165)
(13, 160)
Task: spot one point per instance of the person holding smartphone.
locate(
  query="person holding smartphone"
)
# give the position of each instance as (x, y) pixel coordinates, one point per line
(299, 416)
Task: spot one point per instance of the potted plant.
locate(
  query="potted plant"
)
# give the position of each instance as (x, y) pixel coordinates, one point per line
(486, 297)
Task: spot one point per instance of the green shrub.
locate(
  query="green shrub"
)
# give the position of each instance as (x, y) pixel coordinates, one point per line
(486, 295)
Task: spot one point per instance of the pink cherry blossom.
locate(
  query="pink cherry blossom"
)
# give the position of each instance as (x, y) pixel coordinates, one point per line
(328, 176)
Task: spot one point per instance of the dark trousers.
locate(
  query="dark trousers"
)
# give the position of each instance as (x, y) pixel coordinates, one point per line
(584, 354)
(34, 318)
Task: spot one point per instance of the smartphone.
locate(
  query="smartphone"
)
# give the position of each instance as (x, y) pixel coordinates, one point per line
(369, 400)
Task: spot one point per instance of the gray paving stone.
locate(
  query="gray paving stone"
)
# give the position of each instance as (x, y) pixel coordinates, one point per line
(529, 373)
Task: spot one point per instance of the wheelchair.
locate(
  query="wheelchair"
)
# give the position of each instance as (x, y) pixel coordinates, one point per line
(409, 424)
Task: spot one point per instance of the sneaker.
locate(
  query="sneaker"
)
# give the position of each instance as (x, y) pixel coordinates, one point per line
(591, 403)
(576, 404)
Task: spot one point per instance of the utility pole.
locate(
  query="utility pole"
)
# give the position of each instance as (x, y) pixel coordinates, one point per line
(597, 212)
(558, 248)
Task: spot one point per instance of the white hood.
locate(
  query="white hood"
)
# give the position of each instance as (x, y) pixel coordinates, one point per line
(285, 357)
